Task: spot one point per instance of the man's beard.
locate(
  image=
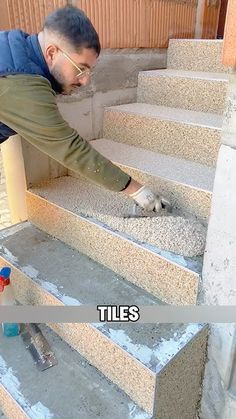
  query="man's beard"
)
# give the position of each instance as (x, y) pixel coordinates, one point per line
(58, 79)
(62, 87)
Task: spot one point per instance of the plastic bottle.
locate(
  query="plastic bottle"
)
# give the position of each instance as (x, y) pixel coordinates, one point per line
(7, 298)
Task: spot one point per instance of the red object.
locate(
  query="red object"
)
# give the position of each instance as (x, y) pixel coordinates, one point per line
(222, 18)
(3, 283)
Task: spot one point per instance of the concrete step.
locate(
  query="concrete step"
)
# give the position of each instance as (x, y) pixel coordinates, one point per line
(195, 55)
(188, 185)
(44, 267)
(177, 132)
(196, 91)
(72, 389)
(146, 361)
(62, 207)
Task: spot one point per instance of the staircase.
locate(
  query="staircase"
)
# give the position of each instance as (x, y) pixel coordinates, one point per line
(68, 254)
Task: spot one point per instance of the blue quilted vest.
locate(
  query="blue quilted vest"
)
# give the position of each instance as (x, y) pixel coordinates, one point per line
(21, 54)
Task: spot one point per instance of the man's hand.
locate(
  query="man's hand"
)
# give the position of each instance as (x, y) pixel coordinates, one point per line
(145, 198)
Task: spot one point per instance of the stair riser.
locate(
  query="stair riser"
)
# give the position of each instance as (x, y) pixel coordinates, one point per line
(121, 368)
(195, 56)
(10, 406)
(187, 369)
(144, 268)
(196, 143)
(129, 374)
(186, 93)
(188, 365)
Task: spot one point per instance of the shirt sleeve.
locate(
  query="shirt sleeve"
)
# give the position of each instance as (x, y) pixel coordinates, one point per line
(28, 106)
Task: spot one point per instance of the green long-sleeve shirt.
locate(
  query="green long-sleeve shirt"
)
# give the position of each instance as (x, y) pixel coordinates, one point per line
(28, 106)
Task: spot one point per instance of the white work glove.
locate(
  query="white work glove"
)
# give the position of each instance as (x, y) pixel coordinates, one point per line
(149, 201)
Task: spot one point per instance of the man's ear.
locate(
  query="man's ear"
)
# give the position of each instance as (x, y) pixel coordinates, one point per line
(50, 53)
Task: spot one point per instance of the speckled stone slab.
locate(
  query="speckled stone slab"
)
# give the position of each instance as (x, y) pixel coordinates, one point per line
(196, 55)
(177, 132)
(196, 91)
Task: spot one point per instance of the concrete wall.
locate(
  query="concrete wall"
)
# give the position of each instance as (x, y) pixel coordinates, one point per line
(219, 398)
(114, 82)
(219, 274)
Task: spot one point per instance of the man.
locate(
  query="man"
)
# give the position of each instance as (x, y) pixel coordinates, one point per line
(57, 60)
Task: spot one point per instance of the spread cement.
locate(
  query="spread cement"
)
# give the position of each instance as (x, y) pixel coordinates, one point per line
(168, 232)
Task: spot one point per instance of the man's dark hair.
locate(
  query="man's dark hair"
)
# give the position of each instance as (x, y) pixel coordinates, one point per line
(73, 24)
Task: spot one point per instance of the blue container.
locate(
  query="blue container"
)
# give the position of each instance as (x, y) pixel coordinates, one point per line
(10, 329)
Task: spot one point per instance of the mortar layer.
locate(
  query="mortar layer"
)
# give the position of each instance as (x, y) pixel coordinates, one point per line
(172, 233)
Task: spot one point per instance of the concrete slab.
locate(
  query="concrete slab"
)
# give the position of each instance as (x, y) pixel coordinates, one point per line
(197, 91)
(70, 276)
(72, 389)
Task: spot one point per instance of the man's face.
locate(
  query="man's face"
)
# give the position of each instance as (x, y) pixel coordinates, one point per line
(62, 65)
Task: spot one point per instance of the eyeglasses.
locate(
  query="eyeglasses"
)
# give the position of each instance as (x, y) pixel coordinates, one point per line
(82, 73)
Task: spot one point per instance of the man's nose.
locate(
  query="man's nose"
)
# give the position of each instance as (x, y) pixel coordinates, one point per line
(83, 81)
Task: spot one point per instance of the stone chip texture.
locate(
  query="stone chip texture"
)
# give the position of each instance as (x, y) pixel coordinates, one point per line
(175, 234)
(196, 91)
(172, 233)
(186, 134)
(196, 55)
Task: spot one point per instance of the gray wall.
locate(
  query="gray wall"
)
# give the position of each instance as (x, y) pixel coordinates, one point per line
(219, 274)
(114, 82)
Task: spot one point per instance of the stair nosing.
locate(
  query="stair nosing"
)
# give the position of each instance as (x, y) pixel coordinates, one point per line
(189, 74)
(152, 172)
(120, 109)
(197, 40)
(197, 188)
